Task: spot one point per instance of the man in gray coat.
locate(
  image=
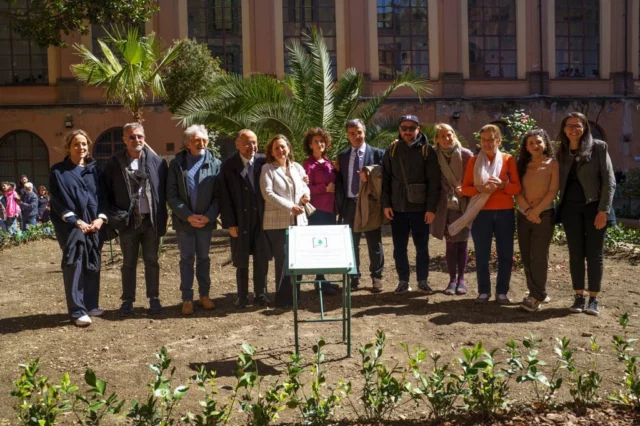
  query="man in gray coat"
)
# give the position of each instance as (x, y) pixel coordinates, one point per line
(192, 195)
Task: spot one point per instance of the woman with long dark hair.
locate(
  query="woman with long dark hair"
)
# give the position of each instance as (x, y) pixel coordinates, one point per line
(78, 212)
(587, 185)
(538, 171)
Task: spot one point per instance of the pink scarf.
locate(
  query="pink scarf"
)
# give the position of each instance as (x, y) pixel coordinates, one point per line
(13, 209)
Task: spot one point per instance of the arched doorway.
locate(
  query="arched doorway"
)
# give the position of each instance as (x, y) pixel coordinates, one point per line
(24, 153)
(107, 144)
(596, 131)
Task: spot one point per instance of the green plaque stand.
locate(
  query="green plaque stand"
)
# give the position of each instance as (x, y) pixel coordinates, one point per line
(321, 250)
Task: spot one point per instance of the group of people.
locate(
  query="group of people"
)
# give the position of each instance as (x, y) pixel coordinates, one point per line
(21, 206)
(419, 188)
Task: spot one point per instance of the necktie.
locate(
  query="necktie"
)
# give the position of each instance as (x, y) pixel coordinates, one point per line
(250, 173)
(355, 177)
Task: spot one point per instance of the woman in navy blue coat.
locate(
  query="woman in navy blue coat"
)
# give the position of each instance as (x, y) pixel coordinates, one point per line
(78, 212)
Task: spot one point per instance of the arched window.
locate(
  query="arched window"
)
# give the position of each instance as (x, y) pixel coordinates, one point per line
(24, 153)
(402, 37)
(107, 144)
(218, 23)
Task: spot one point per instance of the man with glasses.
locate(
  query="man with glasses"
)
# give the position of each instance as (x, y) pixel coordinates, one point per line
(351, 162)
(135, 181)
(242, 211)
(410, 193)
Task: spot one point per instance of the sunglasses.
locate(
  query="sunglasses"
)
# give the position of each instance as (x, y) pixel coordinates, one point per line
(408, 128)
(134, 137)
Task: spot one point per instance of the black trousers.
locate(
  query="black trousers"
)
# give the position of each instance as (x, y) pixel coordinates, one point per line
(534, 240)
(130, 241)
(284, 289)
(585, 242)
(374, 242)
(260, 268)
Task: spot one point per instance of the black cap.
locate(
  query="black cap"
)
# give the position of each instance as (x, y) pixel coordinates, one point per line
(409, 118)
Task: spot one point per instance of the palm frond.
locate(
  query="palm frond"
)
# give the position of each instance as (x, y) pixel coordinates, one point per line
(319, 105)
(410, 79)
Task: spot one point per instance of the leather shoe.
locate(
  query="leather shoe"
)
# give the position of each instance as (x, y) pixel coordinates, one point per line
(207, 303)
(263, 300)
(241, 303)
(355, 283)
(187, 308)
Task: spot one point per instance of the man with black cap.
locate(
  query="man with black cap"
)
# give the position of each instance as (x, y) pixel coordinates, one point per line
(410, 193)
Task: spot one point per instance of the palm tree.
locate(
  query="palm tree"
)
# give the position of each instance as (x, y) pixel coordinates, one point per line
(129, 73)
(308, 97)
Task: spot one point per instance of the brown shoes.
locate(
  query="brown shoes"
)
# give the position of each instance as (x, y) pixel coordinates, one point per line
(187, 308)
(206, 303)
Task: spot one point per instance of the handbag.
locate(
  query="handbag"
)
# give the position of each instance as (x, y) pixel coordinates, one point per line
(453, 202)
(309, 209)
(416, 192)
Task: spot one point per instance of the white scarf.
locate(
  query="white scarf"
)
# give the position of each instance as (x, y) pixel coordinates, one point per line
(482, 170)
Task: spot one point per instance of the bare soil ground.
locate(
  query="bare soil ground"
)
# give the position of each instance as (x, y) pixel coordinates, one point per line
(34, 323)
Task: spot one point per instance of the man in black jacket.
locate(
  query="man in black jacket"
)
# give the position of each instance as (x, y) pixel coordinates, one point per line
(410, 192)
(192, 195)
(135, 181)
(351, 161)
(242, 210)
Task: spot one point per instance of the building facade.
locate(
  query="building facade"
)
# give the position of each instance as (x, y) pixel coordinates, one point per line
(485, 59)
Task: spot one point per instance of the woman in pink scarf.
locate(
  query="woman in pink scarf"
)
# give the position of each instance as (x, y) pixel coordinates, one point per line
(11, 204)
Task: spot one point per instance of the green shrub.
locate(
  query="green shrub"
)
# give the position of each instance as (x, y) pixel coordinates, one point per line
(623, 345)
(39, 401)
(440, 389)
(158, 408)
(383, 389)
(32, 233)
(316, 408)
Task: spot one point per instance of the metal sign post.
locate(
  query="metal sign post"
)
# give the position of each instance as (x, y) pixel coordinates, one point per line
(321, 250)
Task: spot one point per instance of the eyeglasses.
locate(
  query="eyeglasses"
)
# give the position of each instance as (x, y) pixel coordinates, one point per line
(134, 137)
(574, 126)
(408, 128)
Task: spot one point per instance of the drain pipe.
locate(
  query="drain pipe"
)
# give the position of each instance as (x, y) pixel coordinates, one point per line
(541, 56)
(626, 47)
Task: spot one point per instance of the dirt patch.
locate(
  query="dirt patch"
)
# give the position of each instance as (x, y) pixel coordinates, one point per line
(34, 322)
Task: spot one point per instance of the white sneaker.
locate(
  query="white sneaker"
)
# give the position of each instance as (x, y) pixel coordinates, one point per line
(96, 312)
(547, 300)
(83, 321)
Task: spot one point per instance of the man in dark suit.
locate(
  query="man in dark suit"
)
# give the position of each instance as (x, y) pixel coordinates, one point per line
(242, 210)
(351, 161)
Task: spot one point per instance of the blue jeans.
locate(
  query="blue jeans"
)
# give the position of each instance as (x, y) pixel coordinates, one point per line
(501, 224)
(12, 225)
(194, 246)
(402, 224)
(26, 221)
